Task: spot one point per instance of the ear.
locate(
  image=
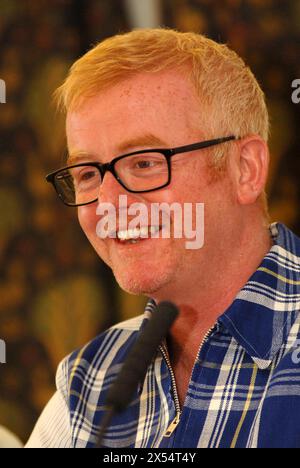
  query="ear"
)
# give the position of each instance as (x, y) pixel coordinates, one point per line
(251, 170)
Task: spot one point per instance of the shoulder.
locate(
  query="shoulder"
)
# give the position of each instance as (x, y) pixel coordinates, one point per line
(104, 353)
(108, 342)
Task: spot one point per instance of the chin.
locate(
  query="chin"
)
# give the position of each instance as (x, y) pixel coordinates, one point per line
(144, 283)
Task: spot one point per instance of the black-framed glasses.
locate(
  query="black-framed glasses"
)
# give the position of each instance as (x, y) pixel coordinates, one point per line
(138, 172)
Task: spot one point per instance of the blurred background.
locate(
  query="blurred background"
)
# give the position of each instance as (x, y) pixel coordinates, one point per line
(55, 293)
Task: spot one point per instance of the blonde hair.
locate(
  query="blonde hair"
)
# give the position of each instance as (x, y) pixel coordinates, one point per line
(232, 101)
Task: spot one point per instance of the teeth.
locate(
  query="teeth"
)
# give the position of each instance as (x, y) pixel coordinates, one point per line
(136, 233)
(143, 232)
(122, 235)
(129, 234)
(154, 229)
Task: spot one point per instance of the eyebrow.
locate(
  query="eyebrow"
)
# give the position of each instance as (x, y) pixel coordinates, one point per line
(147, 140)
(144, 141)
(77, 157)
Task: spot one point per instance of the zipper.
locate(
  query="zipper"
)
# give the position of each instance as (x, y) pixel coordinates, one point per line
(165, 354)
(175, 422)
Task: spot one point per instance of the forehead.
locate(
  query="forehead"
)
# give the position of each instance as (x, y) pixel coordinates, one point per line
(154, 102)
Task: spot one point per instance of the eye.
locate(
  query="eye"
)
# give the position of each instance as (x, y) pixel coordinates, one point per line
(151, 161)
(85, 178)
(83, 174)
(87, 175)
(145, 164)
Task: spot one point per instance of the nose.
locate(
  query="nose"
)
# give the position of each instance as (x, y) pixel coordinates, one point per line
(110, 189)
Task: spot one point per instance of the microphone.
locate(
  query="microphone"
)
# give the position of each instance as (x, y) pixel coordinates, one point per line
(137, 362)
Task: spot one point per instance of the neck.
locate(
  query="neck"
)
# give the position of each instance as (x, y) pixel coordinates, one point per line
(203, 298)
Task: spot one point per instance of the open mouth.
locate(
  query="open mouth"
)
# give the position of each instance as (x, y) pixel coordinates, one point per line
(134, 236)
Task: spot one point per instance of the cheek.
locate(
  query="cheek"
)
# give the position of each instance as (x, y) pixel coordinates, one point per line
(88, 220)
(189, 179)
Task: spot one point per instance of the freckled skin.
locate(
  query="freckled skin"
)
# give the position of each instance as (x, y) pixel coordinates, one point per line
(165, 105)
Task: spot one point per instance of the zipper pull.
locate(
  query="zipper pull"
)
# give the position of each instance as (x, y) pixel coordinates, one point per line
(172, 426)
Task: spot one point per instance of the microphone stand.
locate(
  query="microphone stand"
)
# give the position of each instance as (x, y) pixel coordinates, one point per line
(136, 364)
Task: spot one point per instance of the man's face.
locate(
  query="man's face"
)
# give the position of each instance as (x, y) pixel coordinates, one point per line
(148, 111)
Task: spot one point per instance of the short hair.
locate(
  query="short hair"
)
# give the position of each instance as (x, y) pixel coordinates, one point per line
(228, 90)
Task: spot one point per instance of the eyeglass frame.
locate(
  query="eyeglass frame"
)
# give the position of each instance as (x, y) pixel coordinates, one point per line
(168, 153)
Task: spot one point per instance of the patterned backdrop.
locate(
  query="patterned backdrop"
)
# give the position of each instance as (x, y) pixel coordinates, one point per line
(55, 294)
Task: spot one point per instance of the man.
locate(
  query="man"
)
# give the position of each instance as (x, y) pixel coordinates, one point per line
(228, 373)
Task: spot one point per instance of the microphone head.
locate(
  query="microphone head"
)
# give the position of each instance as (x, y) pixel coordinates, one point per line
(168, 311)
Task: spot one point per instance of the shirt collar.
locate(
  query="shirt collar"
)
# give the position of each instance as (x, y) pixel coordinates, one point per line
(264, 314)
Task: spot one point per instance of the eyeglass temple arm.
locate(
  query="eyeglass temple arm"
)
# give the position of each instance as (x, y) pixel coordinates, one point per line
(202, 145)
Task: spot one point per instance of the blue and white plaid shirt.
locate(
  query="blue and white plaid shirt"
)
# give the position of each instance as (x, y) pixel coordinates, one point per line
(244, 389)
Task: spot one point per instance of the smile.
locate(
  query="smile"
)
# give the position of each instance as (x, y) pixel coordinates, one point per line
(135, 235)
